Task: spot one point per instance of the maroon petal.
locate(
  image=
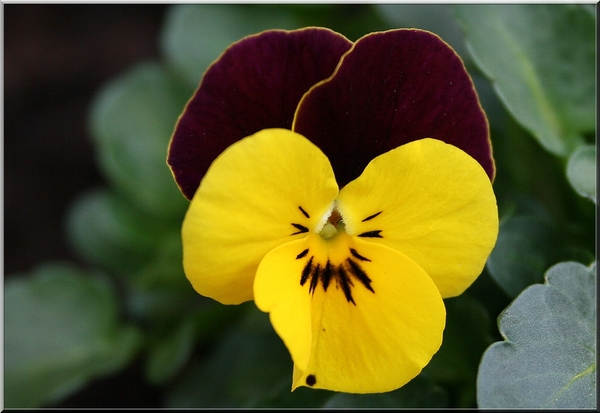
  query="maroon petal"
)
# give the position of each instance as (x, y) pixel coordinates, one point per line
(392, 88)
(256, 84)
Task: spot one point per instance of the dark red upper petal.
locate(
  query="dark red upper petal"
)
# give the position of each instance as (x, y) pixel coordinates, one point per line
(392, 88)
(256, 84)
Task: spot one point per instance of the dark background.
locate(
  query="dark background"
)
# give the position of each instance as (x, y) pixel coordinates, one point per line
(56, 57)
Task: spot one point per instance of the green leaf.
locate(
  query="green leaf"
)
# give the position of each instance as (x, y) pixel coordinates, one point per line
(247, 363)
(419, 392)
(541, 60)
(194, 36)
(164, 269)
(353, 20)
(160, 305)
(170, 352)
(581, 171)
(198, 322)
(107, 231)
(524, 250)
(132, 120)
(61, 330)
(548, 358)
(529, 242)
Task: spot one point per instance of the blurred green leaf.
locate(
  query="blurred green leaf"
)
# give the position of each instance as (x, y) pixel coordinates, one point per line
(525, 248)
(284, 398)
(132, 120)
(61, 329)
(548, 358)
(195, 35)
(215, 317)
(581, 171)
(160, 305)
(198, 322)
(248, 363)
(541, 60)
(107, 231)
(164, 269)
(419, 392)
(466, 336)
(353, 20)
(529, 242)
(170, 352)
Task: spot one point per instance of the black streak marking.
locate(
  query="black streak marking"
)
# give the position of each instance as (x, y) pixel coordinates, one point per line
(311, 380)
(359, 273)
(371, 216)
(326, 276)
(342, 274)
(345, 282)
(369, 234)
(356, 255)
(314, 278)
(306, 271)
(302, 254)
(304, 212)
(301, 229)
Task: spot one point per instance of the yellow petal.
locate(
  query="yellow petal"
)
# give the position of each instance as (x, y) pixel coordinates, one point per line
(364, 337)
(431, 201)
(277, 291)
(262, 191)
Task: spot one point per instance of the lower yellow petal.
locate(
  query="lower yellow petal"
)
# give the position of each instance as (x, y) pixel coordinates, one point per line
(373, 338)
(277, 291)
(431, 201)
(262, 191)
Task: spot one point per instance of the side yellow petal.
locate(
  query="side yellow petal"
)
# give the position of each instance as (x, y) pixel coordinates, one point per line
(262, 191)
(376, 341)
(430, 201)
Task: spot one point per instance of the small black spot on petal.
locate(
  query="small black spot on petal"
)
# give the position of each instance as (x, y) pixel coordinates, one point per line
(311, 380)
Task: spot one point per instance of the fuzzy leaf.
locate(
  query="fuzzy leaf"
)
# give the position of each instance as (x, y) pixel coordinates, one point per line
(548, 358)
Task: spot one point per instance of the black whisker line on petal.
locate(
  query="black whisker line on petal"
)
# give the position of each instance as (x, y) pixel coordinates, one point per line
(326, 275)
(301, 229)
(371, 216)
(304, 212)
(306, 271)
(314, 278)
(360, 274)
(357, 255)
(371, 234)
(302, 254)
(344, 281)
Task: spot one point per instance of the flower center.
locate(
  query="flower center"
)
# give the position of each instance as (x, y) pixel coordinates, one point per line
(333, 225)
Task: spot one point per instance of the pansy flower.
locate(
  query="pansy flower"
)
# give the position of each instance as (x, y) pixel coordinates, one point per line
(345, 188)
